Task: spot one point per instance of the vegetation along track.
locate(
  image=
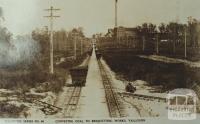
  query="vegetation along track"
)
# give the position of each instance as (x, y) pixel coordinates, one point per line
(114, 105)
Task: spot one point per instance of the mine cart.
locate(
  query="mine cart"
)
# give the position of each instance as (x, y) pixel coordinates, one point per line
(79, 75)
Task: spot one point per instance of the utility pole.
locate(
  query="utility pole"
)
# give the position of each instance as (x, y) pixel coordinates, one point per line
(174, 39)
(75, 48)
(81, 46)
(116, 26)
(191, 28)
(157, 43)
(127, 41)
(51, 17)
(185, 43)
(143, 43)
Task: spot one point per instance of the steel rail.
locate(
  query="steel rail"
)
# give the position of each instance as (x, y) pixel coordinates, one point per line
(72, 103)
(111, 98)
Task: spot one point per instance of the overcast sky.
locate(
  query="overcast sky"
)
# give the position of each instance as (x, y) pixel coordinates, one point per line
(22, 16)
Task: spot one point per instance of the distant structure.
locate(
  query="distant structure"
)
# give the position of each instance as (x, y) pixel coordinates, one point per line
(126, 36)
(110, 33)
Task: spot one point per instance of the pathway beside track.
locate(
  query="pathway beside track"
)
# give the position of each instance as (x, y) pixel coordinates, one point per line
(92, 103)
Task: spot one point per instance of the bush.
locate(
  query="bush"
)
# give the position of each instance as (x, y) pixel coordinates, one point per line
(11, 109)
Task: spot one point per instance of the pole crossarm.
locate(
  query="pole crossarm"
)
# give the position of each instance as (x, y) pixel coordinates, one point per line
(51, 16)
(51, 9)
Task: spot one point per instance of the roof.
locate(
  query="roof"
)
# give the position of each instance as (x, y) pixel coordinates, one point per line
(127, 29)
(182, 92)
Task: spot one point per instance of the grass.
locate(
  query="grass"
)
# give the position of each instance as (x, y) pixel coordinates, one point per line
(129, 67)
(37, 75)
(10, 110)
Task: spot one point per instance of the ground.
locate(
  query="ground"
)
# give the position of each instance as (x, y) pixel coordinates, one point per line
(92, 102)
(138, 107)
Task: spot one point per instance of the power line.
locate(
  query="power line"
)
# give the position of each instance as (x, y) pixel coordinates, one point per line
(51, 17)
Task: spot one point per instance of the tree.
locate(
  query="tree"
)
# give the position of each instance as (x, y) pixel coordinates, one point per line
(5, 45)
(146, 30)
(42, 37)
(78, 31)
(5, 35)
(193, 26)
(151, 28)
(163, 31)
(172, 29)
(175, 31)
(147, 34)
(162, 28)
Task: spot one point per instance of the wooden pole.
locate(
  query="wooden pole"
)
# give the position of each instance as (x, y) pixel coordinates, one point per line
(51, 17)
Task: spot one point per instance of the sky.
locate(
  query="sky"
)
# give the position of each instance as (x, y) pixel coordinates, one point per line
(95, 16)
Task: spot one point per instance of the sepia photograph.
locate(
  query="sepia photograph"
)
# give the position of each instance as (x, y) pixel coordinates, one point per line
(99, 61)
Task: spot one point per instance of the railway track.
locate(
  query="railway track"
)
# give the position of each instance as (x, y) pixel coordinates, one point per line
(143, 97)
(112, 99)
(47, 108)
(72, 102)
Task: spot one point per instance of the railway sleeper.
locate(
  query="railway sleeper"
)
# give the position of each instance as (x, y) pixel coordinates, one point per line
(74, 102)
(111, 97)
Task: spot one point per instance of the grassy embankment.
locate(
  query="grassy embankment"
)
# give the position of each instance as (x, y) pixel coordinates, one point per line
(170, 75)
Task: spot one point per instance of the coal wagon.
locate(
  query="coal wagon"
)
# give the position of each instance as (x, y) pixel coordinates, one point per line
(98, 54)
(79, 75)
(89, 52)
